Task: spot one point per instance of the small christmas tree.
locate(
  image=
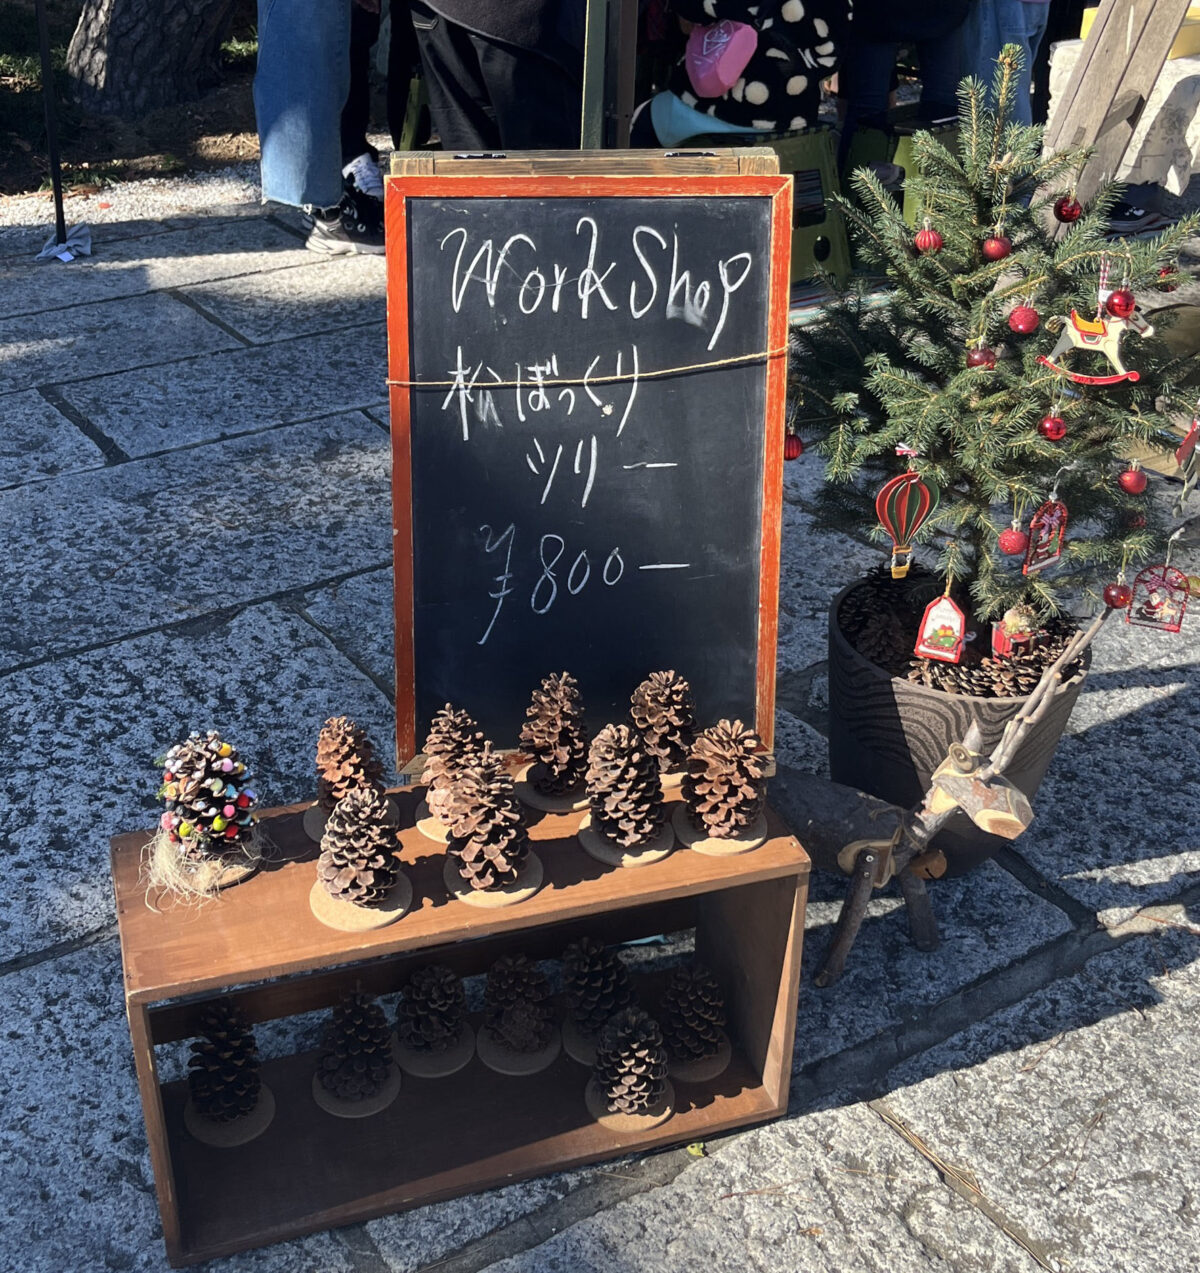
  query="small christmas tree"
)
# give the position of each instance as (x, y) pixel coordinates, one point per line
(345, 760)
(631, 1064)
(453, 739)
(624, 788)
(356, 1064)
(488, 842)
(950, 373)
(432, 1010)
(553, 734)
(725, 781)
(665, 716)
(358, 862)
(223, 1069)
(693, 1016)
(597, 984)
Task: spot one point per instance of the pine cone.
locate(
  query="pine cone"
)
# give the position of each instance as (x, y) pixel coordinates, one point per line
(453, 739)
(223, 1076)
(358, 862)
(693, 1015)
(624, 788)
(208, 806)
(488, 839)
(517, 1011)
(724, 785)
(553, 734)
(631, 1062)
(345, 760)
(432, 1009)
(665, 716)
(358, 1050)
(597, 984)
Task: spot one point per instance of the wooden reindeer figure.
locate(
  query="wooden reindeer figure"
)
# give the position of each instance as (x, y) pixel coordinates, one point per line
(1102, 335)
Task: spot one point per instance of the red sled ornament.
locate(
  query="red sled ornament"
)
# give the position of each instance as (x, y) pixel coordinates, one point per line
(1047, 534)
(1188, 459)
(1160, 597)
(1013, 633)
(902, 506)
(942, 627)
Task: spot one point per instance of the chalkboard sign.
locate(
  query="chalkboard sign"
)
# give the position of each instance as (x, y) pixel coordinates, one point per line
(587, 378)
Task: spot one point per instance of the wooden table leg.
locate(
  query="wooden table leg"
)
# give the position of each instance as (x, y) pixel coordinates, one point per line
(854, 907)
(922, 924)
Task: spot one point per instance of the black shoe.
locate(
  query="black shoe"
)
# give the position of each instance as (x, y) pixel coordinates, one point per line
(355, 226)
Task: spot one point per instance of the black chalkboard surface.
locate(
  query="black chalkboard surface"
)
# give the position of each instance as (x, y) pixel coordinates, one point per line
(586, 441)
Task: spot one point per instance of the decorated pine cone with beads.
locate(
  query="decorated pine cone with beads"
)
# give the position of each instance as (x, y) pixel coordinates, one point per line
(453, 739)
(665, 716)
(357, 1058)
(223, 1073)
(597, 984)
(432, 1009)
(357, 862)
(517, 1009)
(208, 807)
(725, 783)
(693, 1015)
(488, 840)
(631, 1062)
(345, 760)
(553, 734)
(624, 787)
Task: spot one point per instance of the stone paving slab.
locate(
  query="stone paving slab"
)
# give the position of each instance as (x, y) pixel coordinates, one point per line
(1076, 1110)
(38, 441)
(157, 541)
(88, 340)
(359, 617)
(123, 267)
(317, 296)
(82, 734)
(204, 399)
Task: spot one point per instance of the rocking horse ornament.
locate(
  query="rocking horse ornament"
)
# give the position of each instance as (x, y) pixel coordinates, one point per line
(1116, 314)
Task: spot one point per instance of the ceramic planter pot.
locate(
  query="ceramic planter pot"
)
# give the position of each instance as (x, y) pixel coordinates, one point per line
(887, 735)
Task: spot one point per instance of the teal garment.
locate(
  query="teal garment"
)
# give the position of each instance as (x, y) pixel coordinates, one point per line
(674, 122)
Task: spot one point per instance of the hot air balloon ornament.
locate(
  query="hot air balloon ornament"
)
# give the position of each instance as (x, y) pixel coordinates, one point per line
(903, 506)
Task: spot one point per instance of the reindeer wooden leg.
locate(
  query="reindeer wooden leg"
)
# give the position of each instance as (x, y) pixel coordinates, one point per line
(922, 925)
(854, 907)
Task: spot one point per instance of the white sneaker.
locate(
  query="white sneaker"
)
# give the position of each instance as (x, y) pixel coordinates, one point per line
(364, 174)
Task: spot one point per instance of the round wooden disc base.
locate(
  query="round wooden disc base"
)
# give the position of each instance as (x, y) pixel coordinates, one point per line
(430, 827)
(349, 918)
(528, 794)
(603, 850)
(436, 1065)
(358, 1109)
(706, 1068)
(698, 842)
(628, 1124)
(505, 1061)
(673, 780)
(241, 1131)
(577, 1045)
(528, 881)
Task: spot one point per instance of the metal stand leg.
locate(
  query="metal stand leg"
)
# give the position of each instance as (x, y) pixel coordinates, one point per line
(921, 922)
(850, 920)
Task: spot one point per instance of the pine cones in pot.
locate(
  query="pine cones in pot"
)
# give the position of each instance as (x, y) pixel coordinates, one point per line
(625, 799)
(228, 1103)
(664, 714)
(356, 1074)
(554, 736)
(629, 1081)
(453, 739)
(724, 789)
(345, 761)
(693, 1022)
(519, 1033)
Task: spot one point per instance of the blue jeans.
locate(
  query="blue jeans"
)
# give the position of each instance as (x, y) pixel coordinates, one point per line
(990, 25)
(300, 87)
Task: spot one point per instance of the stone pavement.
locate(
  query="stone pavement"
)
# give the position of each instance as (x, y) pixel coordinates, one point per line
(194, 506)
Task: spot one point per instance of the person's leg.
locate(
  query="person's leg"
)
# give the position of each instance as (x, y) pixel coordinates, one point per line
(404, 57)
(941, 61)
(356, 114)
(299, 89)
(536, 105)
(865, 78)
(981, 42)
(458, 101)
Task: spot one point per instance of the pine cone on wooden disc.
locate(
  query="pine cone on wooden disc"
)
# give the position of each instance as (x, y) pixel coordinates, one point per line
(345, 760)
(631, 1062)
(209, 807)
(665, 716)
(453, 739)
(597, 984)
(488, 840)
(725, 786)
(432, 1009)
(517, 1009)
(223, 1069)
(624, 787)
(693, 1015)
(357, 862)
(357, 1059)
(553, 734)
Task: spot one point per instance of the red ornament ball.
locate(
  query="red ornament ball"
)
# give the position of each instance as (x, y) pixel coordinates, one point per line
(1167, 272)
(1024, 319)
(928, 240)
(1013, 542)
(793, 448)
(1067, 209)
(1118, 595)
(1133, 481)
(1053, 428)
(997, 247)
(981, 356)
(1121, 303)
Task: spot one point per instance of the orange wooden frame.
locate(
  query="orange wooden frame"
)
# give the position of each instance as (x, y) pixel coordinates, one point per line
(466, 185)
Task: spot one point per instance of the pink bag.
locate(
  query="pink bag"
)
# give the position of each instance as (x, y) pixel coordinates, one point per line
(717, 56)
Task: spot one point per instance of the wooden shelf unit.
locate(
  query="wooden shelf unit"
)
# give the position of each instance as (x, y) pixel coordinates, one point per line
(259, 946)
